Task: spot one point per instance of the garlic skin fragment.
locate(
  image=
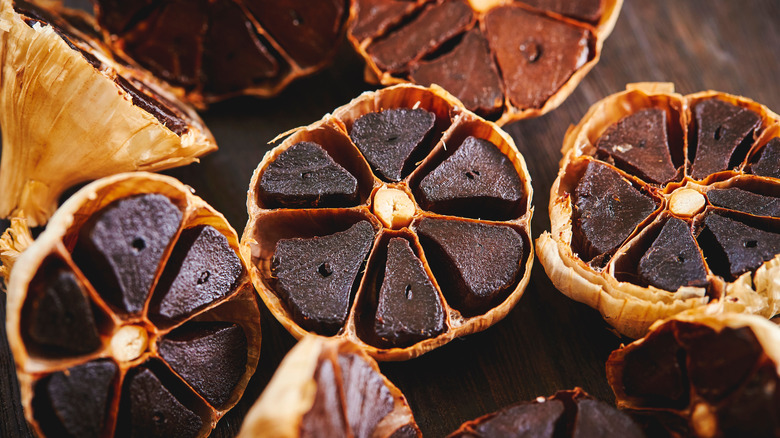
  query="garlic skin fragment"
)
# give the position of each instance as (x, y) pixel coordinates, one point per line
(64, 121)
(13, 242)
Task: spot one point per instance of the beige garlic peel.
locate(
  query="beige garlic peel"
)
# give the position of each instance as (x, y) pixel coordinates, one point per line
(64, 121)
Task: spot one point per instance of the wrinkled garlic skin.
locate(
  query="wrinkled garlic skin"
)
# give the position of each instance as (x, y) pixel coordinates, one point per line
(703, 374)
(630, 307)
(13, 242)
(64, 121)
(321, 383)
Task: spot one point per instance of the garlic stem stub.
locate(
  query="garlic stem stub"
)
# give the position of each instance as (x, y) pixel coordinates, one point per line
(70, 112)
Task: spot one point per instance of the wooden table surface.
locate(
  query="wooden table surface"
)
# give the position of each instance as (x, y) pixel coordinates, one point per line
(548, 342)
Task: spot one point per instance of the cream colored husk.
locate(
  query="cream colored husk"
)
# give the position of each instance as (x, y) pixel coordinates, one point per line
(64, 122)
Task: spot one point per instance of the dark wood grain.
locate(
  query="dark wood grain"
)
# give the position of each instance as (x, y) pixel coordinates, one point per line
(548, 342)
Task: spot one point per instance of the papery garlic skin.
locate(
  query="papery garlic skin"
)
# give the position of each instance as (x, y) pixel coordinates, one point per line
(64, 122)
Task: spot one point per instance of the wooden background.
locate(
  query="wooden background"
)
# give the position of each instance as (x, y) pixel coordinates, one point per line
(548, 342)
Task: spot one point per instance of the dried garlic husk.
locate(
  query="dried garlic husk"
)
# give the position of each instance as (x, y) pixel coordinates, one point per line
(70, 113)
(682, 229)
(329, 387)
(703, 374)
(15, 239)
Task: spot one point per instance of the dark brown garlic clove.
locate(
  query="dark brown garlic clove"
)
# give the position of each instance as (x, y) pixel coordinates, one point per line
(768, 163)
(721, 128)
(389, 138)
(745, 247)
(468, 67)
(154, 411)
(607, 209)
(317, 291)
(550, 51)
(78, 399)
(210, 357)
(435, 25)
(476, 181)
(674, 259)
(479, 263)
(202, 269)
(408, 307)
(640, 143)
(58, 314)
(588, 10)
(122, 247)
(737, 199)
(305, 175)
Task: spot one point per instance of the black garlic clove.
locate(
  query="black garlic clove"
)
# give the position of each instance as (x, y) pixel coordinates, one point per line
(305, 175)
(120, 249)
(387, 139)
(477, 180)
(409, 308)
(315, 277)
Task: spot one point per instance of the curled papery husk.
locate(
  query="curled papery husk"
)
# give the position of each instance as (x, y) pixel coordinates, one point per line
(329, 387)
(66, 329)
(478, 39)
(609, 281)
(702, 374)
(15, 239)
(216, 49)
(70, 113)
(510, 256)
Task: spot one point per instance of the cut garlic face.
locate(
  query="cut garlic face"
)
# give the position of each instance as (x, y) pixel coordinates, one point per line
(133, 305)
(667, 202)
(70, 113)
(702, 374)
(505, 60)
(376, 224)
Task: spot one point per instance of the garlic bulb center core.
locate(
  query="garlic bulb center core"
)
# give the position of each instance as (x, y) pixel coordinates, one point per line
(129, 343)
(393, 207)
(686, 202)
